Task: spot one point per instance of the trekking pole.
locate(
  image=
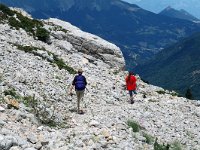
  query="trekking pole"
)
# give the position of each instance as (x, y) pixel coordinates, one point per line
(87, 89)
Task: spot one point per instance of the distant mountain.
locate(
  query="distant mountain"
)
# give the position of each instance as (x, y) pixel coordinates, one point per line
(191, 6)
(176, 67)
(181, 14)
(139, 33)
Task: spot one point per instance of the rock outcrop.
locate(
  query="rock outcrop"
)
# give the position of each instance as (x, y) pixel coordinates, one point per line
(88, 44)
(38, 75)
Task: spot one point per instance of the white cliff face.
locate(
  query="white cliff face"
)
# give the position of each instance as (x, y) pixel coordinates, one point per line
(107, 110)
(89, 43)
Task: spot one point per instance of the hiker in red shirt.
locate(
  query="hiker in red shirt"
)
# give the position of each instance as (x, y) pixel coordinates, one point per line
(131, 85)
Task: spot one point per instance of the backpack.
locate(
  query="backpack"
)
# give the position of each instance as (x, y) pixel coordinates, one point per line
(80, 82)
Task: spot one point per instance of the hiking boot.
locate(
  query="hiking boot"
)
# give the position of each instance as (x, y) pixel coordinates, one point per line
(132, 101)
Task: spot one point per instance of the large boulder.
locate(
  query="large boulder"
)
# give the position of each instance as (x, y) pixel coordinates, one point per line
(89, 44)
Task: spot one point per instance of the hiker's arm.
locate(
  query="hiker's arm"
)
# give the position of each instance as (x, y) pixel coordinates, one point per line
(73, 82)
(72, 86)
(85, 81)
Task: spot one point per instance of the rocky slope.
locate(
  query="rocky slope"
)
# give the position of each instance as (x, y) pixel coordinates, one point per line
(46, 119)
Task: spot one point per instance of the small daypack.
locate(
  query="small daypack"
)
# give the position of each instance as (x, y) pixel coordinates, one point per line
(80, 82)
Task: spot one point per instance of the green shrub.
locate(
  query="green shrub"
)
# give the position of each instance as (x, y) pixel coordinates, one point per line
(61, 65)
(161, 92)
(32, 26)
(30, 101)
(58, 61)
(176, 146)
(40, 112)
(50, 123)
(59, 28)
(158, 146)
(12, 92)
(134, 125)
(3, 17)
(42, 34)
(149, 138)
(174, 94)
(27, 49)
(26, 23)
(14, 23)
(6, 10)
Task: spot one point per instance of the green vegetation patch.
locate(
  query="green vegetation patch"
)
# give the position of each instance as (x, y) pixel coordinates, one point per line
(58, 61)
(42, 34)
(134, 125)
(174, 94)
(161, 92)
(27, 49)
(17, 20)
(61, 65)
(149, 138)
(12, 92)
(6, 10)
(174, 146)
(59, 28)
(29, 101)
(158, 146)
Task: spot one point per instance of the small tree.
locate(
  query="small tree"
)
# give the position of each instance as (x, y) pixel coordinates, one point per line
(188, 94)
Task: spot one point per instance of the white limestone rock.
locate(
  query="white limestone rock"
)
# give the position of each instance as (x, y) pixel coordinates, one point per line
(2, 109)
(94, 123)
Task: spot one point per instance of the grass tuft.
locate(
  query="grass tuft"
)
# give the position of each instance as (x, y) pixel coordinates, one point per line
(149, 138)
(134, 125)
(58, 61)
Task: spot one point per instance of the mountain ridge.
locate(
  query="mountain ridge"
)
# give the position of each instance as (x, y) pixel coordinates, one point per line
(139, 33)
(190, 6)
(180, 14)
(181, 62)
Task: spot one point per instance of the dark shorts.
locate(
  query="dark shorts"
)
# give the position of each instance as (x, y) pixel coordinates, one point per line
(131, 92)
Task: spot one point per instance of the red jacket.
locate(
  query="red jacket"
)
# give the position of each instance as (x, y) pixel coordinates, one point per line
(131, 83)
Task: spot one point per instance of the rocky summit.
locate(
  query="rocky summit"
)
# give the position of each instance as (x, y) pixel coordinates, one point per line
(38, 63)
